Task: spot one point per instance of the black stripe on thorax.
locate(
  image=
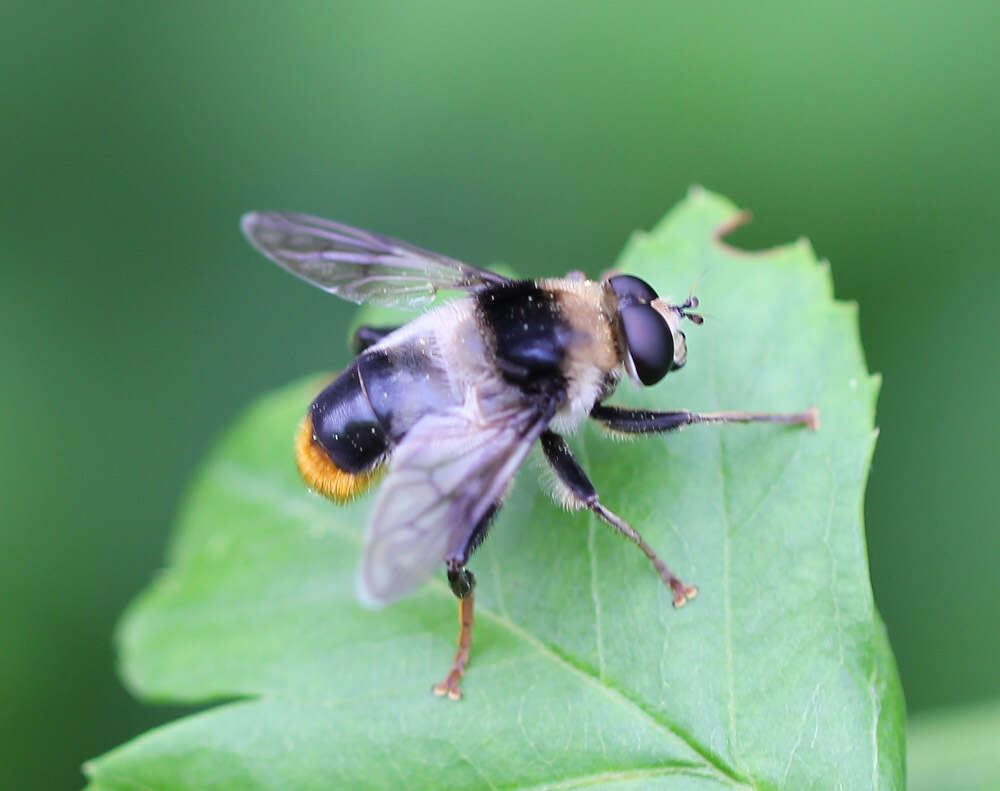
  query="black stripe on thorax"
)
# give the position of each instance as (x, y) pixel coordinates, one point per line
(527, 333)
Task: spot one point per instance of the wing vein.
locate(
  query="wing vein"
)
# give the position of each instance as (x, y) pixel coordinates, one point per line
(358, 265)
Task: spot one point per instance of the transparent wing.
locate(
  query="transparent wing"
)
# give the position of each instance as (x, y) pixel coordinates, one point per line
(445, 474)
(358, 265)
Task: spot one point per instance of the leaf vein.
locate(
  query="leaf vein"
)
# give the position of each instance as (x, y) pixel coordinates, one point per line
(592, 552)
(269, 492)
(623, 776)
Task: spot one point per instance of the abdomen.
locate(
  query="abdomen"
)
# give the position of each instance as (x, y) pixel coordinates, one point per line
(354, 424)
(341, 444)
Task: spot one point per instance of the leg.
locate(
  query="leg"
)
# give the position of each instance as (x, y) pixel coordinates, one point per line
(365, 336)
(579, 487)
(647, 421)
(463, 584)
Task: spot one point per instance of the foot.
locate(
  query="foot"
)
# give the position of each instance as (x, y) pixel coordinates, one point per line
(683, 593)
(812, 419)
(449, 686)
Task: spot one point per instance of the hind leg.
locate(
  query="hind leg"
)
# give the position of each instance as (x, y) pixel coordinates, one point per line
(365, 336)
(463, 583)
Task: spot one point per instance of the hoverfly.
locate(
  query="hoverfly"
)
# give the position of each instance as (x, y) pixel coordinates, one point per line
(450, 404)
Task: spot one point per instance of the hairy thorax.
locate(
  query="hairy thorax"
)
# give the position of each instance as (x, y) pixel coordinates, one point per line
(593, 362)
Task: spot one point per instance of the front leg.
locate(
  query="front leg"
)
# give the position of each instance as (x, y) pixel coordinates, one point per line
(581, 490)
(648, 421)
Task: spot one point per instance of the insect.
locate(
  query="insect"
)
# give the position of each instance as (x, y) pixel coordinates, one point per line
(449, 405)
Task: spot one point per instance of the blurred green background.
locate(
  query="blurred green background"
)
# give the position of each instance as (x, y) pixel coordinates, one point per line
(136, 321)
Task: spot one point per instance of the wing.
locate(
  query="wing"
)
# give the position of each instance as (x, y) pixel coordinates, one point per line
(446, 473)
(358, 265)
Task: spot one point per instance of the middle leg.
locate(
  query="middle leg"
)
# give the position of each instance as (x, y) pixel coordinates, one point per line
(582, 491)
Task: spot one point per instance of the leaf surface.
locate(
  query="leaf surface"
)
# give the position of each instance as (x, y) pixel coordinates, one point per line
(778, 675)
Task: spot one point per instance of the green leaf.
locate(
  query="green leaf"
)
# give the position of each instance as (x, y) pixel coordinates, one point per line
(583, 675)
(956, 750)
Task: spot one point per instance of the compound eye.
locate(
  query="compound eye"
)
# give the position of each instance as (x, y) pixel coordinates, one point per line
(632, 288)
(650, 342)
